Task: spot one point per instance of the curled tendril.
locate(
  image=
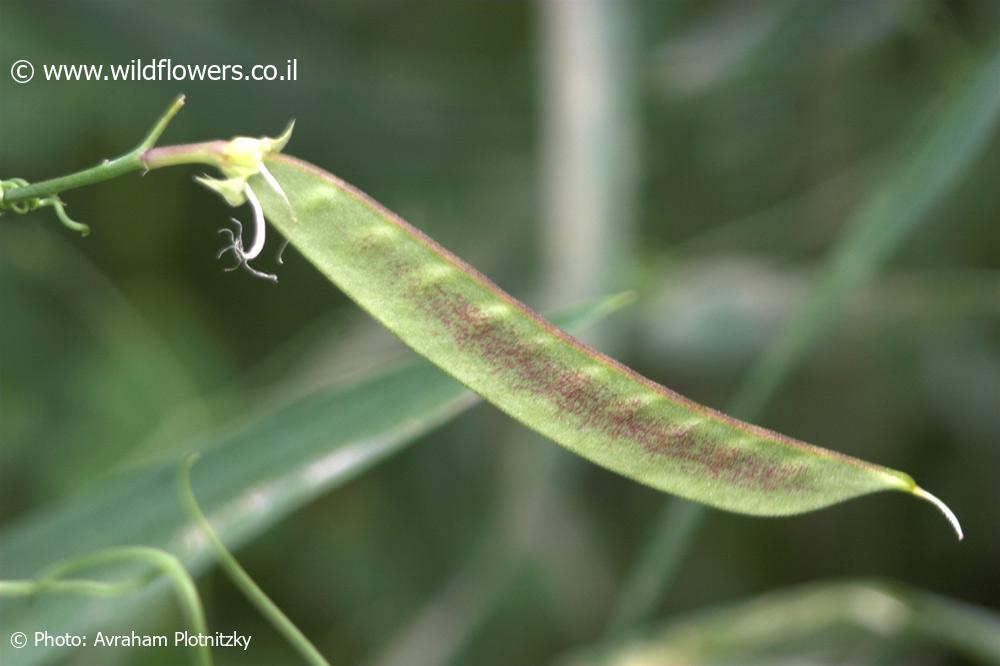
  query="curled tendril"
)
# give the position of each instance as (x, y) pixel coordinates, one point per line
(20, 207)
(29, 205)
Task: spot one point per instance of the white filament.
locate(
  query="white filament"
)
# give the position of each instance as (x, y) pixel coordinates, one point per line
(259, 226)
(943, 508)
(273, 182)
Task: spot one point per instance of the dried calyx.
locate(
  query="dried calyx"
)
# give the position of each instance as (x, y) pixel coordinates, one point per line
(239, 160)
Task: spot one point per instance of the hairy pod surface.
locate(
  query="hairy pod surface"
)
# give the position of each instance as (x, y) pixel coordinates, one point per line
(458, 319)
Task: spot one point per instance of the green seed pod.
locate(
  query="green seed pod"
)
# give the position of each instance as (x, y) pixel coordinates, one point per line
(448, 312)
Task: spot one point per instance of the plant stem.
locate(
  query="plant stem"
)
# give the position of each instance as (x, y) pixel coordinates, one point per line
(241, 579)
(143, 157)
(590, 145)
(105, 171)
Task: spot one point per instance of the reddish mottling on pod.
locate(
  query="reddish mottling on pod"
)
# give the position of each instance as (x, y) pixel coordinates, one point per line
(543, 377)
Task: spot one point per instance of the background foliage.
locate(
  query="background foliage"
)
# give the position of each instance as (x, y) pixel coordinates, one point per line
(742, 137)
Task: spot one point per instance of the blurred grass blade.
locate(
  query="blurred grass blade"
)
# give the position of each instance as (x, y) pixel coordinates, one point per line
(928, 173)
(247, 480)
(967, 118)
(800, 621)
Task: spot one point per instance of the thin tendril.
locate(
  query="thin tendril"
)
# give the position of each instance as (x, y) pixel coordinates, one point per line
(240, 578)
(54, 580)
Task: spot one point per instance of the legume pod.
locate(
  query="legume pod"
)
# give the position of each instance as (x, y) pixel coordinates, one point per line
(594, 406)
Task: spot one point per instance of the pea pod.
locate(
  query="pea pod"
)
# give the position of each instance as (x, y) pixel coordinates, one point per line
(448, 312)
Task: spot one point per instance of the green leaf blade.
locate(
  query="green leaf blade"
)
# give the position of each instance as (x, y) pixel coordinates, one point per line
(448, 312)
(248, 479)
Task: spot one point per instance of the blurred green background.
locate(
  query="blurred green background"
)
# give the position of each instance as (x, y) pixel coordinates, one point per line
(707, 155)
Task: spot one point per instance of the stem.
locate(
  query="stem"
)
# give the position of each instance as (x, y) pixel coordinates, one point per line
(241, 579)
(206, 152)
(141, 158)
(590, 131)
(105, 171)
(160, 126)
